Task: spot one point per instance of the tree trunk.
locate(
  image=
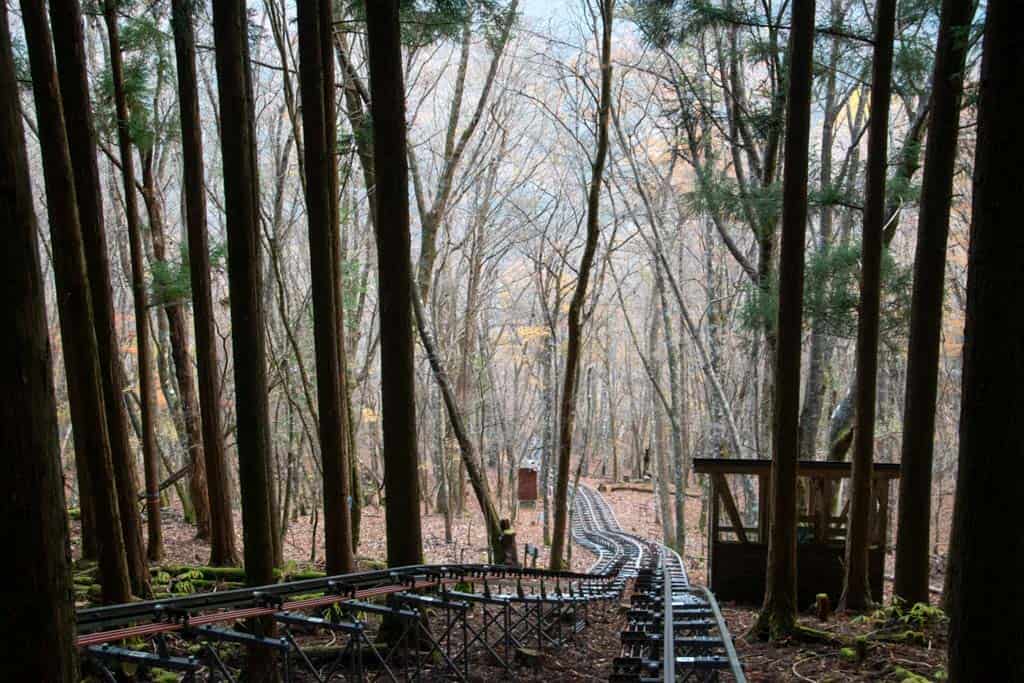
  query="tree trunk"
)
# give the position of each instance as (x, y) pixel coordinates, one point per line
(821, 344)
(984, 635)
(86, 517)
(316, 86)
(143, 345)
(174, 314)
(913, 529)
(78, 335)
(394, 282)
(660, 447)
(467, 338)
(470, 458)
(548, 436)
(33, 493)
(567, 410)
(680, 466)
(241, 202)
(441, 468)
(841, 421)
(715, 437)
(69, 44)
(856, 591)
(778, 615)
(350, 489)
(222, 525)
(613, 429)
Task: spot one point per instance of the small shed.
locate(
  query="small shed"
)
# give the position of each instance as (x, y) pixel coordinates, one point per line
(740, 515)
(527, 491)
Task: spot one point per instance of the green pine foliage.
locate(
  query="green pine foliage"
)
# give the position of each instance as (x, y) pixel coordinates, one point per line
(21, 66)
(425, 22)
(148, 69)
(719, 194)
(832, 294)
(170, 280)
(352, 288)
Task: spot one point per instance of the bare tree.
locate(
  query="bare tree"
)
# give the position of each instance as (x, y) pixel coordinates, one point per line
(567, 410)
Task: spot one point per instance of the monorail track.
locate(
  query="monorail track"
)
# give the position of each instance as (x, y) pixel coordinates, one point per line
(674, 631)
(443, 619)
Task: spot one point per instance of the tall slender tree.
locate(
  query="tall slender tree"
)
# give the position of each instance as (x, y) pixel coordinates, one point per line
(394, 283)
(567, 409)
(33, 488)
(820, 345)
(222, 525)
(322, 253)
(186, 408)
(673, 355)
(914, 526)
(856, 591)
(985, 640)
(350, 491)
(74, 305)
(143, 345)
(778, 615)
(245, 281)
(72, 72)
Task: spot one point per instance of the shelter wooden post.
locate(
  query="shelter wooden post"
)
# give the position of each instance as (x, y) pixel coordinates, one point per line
(736, 559)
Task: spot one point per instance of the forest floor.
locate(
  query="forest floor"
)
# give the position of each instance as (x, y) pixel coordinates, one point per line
(920, 657)
(922, 653)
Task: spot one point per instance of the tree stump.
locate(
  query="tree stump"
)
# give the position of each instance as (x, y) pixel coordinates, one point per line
(822, 606)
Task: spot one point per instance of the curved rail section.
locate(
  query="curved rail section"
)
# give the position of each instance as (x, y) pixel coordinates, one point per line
(391, 625)
(426, 620)
(674, 631)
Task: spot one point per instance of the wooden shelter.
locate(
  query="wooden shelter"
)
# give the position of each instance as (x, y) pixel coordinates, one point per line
(740, 515)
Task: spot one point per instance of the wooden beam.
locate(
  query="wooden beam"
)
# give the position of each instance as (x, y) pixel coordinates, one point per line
(713, 536)
(722, 486)
(820, 486)
(880, 490)
(805, 468)
(764, 497)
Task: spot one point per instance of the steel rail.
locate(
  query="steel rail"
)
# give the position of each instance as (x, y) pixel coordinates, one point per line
(234, 615)
(734, 660)
(667, 614)
(668, 632)
(403, 578)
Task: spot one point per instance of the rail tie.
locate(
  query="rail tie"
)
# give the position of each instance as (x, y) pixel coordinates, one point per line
(674, 631)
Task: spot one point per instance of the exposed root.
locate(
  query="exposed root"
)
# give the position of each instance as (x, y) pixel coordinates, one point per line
(783, 629)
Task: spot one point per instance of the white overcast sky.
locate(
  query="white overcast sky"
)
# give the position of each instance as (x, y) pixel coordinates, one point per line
(546, 9)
